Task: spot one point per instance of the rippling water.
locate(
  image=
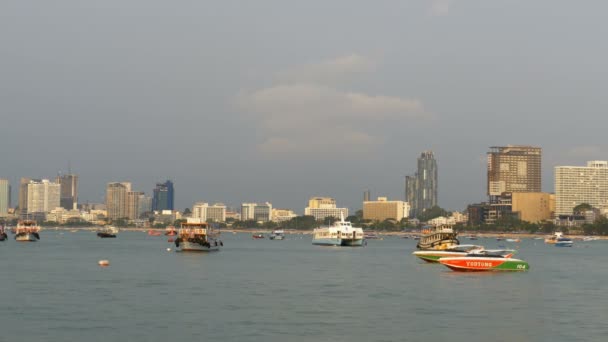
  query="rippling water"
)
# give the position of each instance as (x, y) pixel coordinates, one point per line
(290, 290)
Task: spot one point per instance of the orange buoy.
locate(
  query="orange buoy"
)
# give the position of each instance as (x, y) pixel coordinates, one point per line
(103, 263)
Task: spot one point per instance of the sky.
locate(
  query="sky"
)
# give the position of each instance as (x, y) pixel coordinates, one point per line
(254, 101)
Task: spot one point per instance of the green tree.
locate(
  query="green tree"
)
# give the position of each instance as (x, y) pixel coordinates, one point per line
(581, 208)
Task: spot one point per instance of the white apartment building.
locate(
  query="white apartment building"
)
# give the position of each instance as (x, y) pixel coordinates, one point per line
(282, 215)
(5, 197)
(43, 196)
(581, 184)
(247, 211)
(203, 211)
(256, 212)
(199, 211)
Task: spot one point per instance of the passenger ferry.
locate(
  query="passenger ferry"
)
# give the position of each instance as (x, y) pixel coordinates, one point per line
(27, 230)
(341, 233)
(197, 236)
(438, 238)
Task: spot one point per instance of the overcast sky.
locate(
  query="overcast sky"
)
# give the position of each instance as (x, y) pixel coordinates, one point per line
(282, 100)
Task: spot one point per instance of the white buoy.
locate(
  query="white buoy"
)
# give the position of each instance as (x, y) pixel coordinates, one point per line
(103, 263)
(168, 249)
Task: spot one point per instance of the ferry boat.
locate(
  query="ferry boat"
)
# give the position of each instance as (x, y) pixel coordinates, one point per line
(341, 233)
(277, 235)
(197, 236)
(454, 251)
(485, 261)
(109, 232)
(564, 242)
(27, 230)
(438, 238)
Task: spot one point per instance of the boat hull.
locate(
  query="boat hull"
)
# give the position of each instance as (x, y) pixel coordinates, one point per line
(434, 256)
(186, 246)
(483, 264)
(564, 244)
(26, 237)
(338, 242)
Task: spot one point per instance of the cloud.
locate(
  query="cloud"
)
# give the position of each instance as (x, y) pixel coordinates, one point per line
(329, 71)
(312, 118)
(440, 7)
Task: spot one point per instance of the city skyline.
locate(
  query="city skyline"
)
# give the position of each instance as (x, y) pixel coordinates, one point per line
(234, 109)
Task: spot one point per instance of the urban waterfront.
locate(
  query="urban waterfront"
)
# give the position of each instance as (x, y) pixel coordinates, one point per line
(262, 290)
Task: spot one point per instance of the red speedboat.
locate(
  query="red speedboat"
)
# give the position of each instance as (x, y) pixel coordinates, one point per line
(154, 233)
(486, 261)
(258, 236)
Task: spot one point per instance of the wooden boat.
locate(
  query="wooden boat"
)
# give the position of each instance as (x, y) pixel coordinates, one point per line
(197, 236)
(484, 261)
(27, 231)
(438, 238)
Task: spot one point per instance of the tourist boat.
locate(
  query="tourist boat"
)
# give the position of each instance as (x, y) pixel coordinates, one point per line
(563, 242)
(454, 251)
(109, 232)
(438, 238)
(277, 235)
(170, 231)
(257, 236)
(553, 239)
(197, 236)
(27, 230)
(153, 232)
(3, 235)
(485, 260)
(341, 233)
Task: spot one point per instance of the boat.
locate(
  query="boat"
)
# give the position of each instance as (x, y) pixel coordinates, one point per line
(341, 233)
(553, 239)
(438, 238)
(257, 236)
(27, 230)
(485, 260)
(513, 240)
(563, 242)
(370, 236)
(108, 232)
(277, 235)
(590, 238)
(3, 235)
(472, 237)
(170, 231)
(454, 251)
(197, 236)
(153, 232)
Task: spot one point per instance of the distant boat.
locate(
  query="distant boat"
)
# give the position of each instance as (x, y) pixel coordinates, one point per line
(277, 235)
(170, 231)
(564, 242)
(257, 236)
(513, 240)
(109, 232)
(3, 235)
(454, 251)
(553, 239)
(438, 238)
(153, 232)
(485, 260)
(27, 230)
(197, 237)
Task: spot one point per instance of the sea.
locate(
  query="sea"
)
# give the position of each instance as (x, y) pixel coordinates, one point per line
(289, 290)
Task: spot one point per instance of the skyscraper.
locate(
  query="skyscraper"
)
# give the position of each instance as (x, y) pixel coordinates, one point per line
(69, 190)
(421, 189)
(163, 196)
(513, 169)
(576, 185)
(42, 196)
(5, 197)
(23, 196)
(116, 199)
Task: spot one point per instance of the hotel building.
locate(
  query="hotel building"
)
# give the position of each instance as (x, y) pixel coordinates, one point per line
(322, 207)
(421, 189)
(42, 196)
(575, 185)
(383, 209)
(116, 199)
(513, 169)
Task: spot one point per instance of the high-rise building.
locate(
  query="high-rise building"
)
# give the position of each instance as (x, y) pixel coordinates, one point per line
(247, 211)
(163, 196)
(366, 196)
(421, 189)
(513, 169)
(69, 190)
(323, 207)
(133, 198)
(23, 196)
(205, 212)
(116, 199)
(145, 204)
(5, 197)
(576, 185)
(383, 209)
(42, 196)
(256, 212)
(199, 211)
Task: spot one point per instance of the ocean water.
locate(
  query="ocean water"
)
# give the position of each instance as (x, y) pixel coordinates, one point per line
(290, 290)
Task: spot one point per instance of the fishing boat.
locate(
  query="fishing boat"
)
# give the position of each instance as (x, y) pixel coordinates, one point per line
(257, 236)
(108, 232)
(485, 260)
(438, 238)
(341, 233)
(277, 235)
(27, 230)
(564, 242)
(454, 251)
(3, 235)
(197, 236)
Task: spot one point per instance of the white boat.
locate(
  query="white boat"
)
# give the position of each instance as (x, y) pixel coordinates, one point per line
(107, 232)
(590, 238)
(277, 235)
(438, 238)
(341, 233)
(197, 236)
(27, 230)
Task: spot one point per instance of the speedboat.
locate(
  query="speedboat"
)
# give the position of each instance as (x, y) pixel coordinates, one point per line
(553, 239)
(257, 236)
(109, 232)
(486, 260)
(454, 251)
(564, 242)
